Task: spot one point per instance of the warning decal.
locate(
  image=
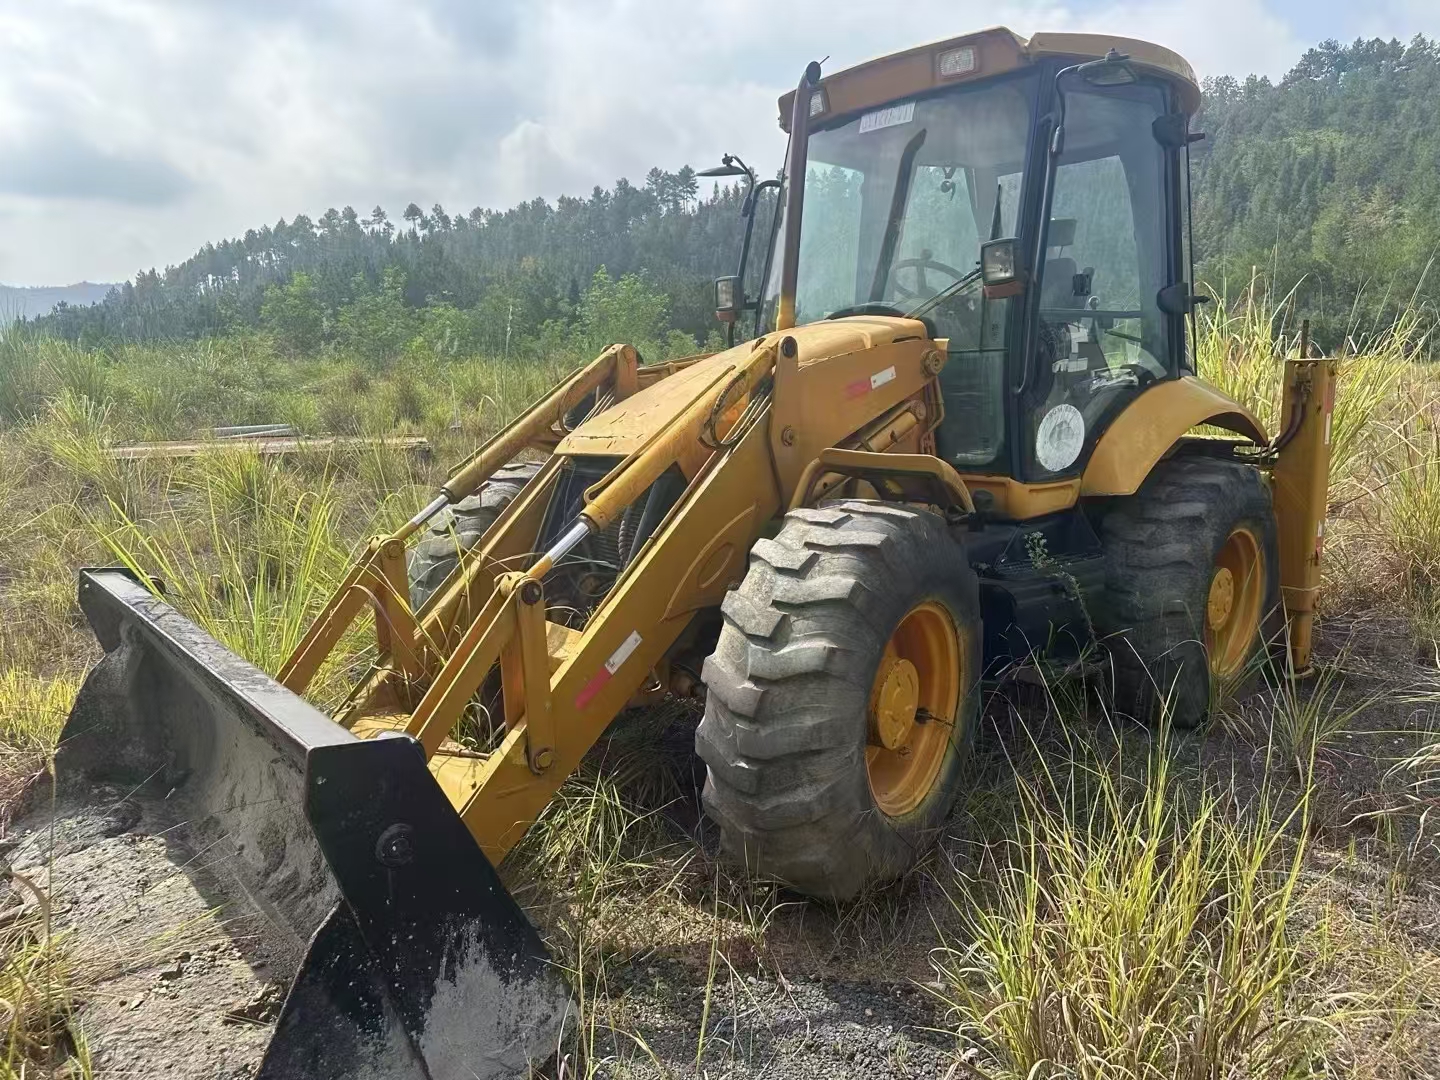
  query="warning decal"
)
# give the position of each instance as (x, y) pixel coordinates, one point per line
(597, 681)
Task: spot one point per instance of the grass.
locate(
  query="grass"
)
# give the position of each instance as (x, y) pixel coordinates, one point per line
(1108, 903)
(37, 999)
(1408, 513)
(168, 391)
(1132, 929)
(243, 551)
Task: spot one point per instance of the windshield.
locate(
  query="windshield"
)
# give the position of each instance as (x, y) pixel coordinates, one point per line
(898, 200)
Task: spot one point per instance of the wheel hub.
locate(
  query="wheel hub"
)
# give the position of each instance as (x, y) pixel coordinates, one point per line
(895, 703)
(1222, 598)
(913, 701)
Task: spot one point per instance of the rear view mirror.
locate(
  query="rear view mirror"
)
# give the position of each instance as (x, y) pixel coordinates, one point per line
(729, 298)
(1001, 270)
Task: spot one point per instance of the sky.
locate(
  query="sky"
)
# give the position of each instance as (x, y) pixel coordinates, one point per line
(133, 131)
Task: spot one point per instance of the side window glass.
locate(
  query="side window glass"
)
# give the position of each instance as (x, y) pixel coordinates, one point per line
(1092, 206)
(831, 239)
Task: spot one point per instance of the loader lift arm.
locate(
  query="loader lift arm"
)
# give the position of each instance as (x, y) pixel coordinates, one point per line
(378, 579)
(556, 703)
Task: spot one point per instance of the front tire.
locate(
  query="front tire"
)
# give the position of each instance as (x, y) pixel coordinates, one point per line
(458, 529)
(1192, 587)
(841, 696)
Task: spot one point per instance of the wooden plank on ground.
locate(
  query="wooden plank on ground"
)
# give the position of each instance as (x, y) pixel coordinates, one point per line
(414, 444)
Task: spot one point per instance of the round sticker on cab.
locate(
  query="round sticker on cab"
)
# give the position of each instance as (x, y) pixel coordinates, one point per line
(1061, 435)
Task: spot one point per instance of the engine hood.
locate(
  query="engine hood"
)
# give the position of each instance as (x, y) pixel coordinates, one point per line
(627, 425)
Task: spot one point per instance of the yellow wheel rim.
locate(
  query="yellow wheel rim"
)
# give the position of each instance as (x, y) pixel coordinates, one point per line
(913, 702)
(1233, 605)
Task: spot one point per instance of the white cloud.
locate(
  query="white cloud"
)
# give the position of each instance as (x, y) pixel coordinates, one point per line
(1402, 19)
(182, 121)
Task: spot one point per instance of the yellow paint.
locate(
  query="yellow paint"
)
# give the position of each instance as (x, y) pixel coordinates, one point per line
(897, 696)
(624, 428)
(822, 396)
(509, 796)
(921, 478)
(719, 564)
(1300, 484)
(1018, 501)
(1234, 607)
(1150, 427)
(678, 436)
(1144, 57)
(922, 668)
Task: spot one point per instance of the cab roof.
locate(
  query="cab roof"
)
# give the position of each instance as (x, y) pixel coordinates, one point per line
(991, 52)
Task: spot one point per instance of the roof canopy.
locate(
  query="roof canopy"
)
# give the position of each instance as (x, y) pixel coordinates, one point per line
(980, 55)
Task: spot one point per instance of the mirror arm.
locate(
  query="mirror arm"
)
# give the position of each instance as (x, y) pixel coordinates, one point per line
(747, 210)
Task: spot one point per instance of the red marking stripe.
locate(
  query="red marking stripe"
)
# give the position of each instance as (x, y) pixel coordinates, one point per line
(594, 686)
(858, 388)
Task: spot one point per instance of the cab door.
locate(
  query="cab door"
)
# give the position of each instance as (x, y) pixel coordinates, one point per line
(1112, 244)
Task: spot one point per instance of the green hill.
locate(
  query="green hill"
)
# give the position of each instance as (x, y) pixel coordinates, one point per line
(1328, 181)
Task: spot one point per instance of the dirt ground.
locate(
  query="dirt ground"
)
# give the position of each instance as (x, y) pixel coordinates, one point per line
(183, 988)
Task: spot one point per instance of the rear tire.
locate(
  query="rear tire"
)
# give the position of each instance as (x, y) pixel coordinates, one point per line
(1164, 547)
(789, 734)
(460, 528)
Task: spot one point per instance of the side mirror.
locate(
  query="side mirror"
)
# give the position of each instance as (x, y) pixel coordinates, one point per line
(729, 298)
(1001, 268)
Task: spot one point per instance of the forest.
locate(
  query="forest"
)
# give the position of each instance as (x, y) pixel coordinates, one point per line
(1327, 182)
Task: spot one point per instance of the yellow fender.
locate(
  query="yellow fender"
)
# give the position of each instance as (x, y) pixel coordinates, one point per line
(1153, 423)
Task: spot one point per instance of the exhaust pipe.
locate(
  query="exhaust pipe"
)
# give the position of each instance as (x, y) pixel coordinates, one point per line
(414, 961)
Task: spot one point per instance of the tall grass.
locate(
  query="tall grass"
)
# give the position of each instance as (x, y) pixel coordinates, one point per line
(1136, 927)
(1408, 513)
(1123, 922)
(180, 390)
(42, 1035)
(1383, 538)
(1242, 346)
(33, 709)
(245, 552)
(75, 433)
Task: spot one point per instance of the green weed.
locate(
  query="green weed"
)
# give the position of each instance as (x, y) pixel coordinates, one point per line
(1134, 928)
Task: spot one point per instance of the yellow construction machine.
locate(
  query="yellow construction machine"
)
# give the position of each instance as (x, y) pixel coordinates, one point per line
(965, 435)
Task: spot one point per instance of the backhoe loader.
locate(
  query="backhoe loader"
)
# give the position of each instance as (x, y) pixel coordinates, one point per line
(963, 434)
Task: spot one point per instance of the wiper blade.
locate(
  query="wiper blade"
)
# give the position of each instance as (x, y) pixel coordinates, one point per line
(945, 293)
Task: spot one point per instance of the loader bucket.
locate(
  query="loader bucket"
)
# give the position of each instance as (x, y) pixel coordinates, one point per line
(414, 960)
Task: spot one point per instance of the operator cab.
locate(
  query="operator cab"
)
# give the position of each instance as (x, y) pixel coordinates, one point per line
(903, 192)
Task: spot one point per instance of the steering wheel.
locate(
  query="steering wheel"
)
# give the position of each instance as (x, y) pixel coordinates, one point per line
(922, 291)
